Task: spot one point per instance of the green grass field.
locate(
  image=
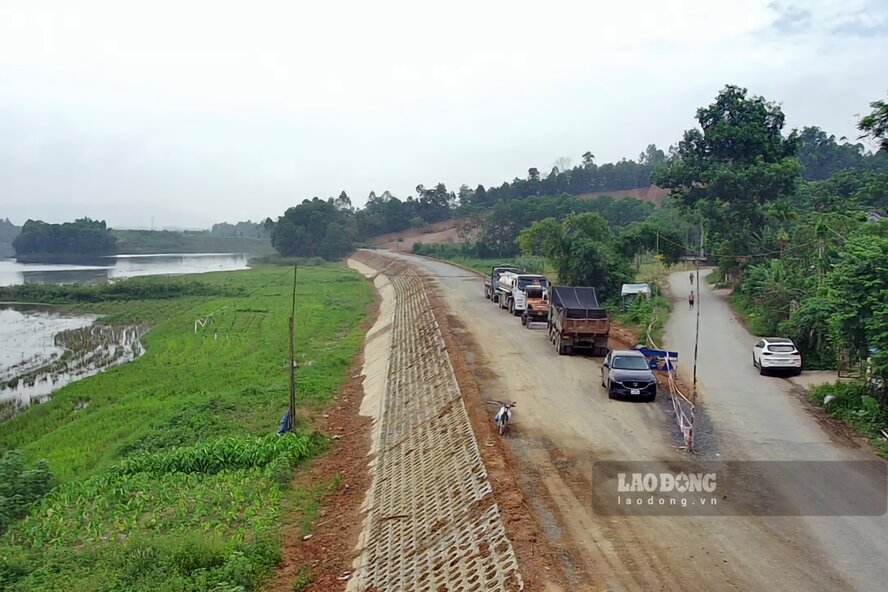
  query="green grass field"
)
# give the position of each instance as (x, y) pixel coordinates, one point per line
(168, 478)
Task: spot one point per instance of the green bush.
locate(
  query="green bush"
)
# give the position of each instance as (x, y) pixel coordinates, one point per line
(130, 289)
(21, 486)
(225, 454)
(854, 404)
(181, 561)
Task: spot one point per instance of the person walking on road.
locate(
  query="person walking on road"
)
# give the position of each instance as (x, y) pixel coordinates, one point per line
(691, 300)
(691, 275)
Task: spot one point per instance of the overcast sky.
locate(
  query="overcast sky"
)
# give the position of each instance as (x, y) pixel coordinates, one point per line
(196, 112)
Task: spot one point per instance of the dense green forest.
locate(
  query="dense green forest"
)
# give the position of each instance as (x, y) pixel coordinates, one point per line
(8, 232)
(248, 229)
(84, 237)
(303, 229)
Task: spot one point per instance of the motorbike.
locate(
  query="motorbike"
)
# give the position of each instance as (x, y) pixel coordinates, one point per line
(503, 416)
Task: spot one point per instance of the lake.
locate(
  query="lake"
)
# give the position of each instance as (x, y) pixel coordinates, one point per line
(118, 266)
(43, 348)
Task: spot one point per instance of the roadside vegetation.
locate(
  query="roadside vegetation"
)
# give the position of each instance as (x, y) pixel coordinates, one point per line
(854, 403)
(167, 473)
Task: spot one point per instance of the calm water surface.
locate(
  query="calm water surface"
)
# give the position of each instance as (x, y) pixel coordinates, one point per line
(118, 266)
(43, 348)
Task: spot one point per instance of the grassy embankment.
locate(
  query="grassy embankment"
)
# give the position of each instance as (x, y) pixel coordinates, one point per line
(143, 242)
(169, 475)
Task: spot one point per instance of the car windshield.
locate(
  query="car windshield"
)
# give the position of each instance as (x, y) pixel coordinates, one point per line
(523, 283)
(629, 363)
(781, 348)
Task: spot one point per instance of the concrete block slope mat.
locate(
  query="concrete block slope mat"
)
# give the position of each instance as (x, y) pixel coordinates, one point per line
(431, 522)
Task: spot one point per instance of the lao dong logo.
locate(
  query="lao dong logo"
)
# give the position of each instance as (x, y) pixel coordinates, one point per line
(666, 483)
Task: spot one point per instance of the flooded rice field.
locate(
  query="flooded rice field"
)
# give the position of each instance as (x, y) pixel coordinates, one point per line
(118, 266)
(42, 349)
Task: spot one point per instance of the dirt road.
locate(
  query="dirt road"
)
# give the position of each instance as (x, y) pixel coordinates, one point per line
(761, 418)
(564, 422)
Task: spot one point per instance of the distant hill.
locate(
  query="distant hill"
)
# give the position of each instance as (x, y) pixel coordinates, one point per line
(8, 232)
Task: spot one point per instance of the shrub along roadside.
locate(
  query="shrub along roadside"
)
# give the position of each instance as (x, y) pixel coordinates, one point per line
(854, 404)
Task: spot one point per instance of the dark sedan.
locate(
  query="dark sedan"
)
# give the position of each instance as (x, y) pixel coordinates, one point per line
(625, 373)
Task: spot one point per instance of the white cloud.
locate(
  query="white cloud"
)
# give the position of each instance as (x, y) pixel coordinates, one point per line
(214, 110)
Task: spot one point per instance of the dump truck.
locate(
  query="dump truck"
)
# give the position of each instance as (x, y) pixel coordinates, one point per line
(537, 309)
(513, 290)
(491, 281)
(577, 321)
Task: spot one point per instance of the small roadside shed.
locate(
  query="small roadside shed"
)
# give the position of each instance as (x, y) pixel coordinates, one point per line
(632, 291)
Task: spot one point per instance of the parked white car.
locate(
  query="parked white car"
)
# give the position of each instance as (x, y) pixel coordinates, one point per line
(776, 353)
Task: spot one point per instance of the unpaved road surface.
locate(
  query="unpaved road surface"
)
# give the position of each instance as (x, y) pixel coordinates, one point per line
(564, 422)
(760, 418)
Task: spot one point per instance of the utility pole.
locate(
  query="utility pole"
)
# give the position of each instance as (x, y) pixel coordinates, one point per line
(696, 349)
(293, 356)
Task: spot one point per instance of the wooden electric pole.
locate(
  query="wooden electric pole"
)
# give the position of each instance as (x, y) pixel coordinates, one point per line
(293, 356)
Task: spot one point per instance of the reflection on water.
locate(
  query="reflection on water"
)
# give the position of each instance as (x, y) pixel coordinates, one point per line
(118, 266)
(42, 350)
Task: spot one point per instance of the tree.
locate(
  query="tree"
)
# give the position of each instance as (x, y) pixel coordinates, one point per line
(857, 287)
(562, 163)
(733, 167)
(821, 156)
(315, 228)
(466, 196)
(83, 237)
(544, 237)
(875, 125)
(533, 174)
(343, 202)
(581, 250)
(588, 159)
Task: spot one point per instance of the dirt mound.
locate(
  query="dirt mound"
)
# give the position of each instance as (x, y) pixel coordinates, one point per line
(438, 232)
(653, 194)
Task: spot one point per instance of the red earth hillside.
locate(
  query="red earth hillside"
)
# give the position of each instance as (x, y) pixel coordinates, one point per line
(445, 230)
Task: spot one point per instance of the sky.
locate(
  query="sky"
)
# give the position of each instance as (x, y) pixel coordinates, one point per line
(186, 113)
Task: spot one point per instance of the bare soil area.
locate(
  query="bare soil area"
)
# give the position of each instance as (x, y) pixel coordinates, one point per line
(325, 557)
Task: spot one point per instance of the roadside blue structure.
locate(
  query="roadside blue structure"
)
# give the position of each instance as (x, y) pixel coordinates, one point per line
(659, 360)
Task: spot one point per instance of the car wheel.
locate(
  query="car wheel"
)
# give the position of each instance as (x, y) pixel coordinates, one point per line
(754, 362)
(761, 370)
(610, 393)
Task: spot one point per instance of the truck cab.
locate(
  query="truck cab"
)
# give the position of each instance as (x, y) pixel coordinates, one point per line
(491, 282)
(514, 288)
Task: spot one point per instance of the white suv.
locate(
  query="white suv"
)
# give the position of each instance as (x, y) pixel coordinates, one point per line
(776, 353)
